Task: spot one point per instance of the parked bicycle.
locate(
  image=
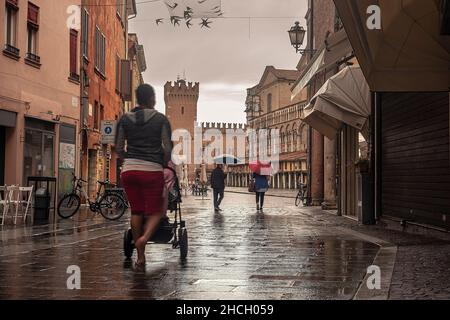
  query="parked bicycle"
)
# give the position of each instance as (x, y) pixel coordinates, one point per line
(108, 201)
(302, 195)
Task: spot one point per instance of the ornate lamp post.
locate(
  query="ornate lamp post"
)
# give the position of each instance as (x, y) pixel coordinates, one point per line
(297, 36)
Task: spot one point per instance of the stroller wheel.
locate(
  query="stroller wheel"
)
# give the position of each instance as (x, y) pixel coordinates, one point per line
(183, 242)
(128, 244)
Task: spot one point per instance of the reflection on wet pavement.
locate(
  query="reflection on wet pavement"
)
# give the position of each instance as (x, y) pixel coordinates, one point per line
(285, 253)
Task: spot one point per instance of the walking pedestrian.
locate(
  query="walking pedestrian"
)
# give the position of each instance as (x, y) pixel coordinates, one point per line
(147, 135)
(218, 185)
(261, 187)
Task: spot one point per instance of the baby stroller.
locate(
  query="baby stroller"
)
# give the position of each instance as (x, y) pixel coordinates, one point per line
(168, 233)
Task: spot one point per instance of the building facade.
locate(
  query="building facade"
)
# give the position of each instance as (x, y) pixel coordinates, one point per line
(269, 106)
(106, 83)
(39, 92)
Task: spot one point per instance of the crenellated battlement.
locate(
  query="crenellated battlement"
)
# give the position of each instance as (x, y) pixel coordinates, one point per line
(182, 87)
(220, 126)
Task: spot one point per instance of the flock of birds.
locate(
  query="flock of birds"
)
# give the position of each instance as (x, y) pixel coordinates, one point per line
(188, 14)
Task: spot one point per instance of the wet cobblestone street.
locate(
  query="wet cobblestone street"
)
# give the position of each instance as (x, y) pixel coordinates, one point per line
(285, 253)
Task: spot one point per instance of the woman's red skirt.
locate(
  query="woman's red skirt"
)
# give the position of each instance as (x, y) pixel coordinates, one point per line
(144, 191)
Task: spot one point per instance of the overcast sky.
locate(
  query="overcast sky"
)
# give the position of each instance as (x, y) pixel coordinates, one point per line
(226, 59)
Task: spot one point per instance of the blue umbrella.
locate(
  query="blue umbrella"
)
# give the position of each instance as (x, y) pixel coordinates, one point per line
(228, 160)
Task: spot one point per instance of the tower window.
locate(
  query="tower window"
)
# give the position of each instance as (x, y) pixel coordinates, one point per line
(182, 110)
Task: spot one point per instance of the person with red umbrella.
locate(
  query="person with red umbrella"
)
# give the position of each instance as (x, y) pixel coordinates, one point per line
(261, 177)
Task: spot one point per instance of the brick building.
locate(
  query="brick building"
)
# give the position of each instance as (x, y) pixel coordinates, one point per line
(105, 82)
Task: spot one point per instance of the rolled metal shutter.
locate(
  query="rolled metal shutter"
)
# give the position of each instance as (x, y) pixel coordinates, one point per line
(415, 157)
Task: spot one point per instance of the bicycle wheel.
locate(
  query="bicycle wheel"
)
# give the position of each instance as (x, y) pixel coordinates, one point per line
(298, 199)
(69, 205)
(112, 206)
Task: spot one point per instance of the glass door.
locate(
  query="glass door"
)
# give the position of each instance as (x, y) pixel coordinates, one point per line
(39, 154)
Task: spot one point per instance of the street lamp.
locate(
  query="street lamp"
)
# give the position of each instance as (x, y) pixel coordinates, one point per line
(297, 35)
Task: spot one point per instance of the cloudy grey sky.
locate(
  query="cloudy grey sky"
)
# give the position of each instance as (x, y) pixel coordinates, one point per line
(226, 59)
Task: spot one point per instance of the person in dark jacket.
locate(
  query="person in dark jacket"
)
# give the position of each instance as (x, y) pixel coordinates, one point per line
(148, 138)
(218, 184)
(261, 187)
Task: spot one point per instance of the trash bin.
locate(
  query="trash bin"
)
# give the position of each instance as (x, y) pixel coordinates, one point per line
(42, 200)
(45, 193)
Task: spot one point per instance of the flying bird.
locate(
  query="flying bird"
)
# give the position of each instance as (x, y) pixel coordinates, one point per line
(205, 23)
(175, 20)
(187, 15)
(159, 21)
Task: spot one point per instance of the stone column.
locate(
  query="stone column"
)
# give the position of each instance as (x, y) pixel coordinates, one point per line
(317, 168)
(329, 175)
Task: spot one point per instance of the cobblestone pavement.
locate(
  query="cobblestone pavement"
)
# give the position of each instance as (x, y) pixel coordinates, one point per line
(285, 253)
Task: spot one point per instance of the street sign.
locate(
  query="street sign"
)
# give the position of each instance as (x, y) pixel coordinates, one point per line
(108, 132)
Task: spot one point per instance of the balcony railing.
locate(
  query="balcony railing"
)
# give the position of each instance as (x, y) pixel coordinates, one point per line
(11, 50)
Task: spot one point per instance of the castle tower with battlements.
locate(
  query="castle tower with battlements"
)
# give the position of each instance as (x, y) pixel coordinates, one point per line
(181, 100)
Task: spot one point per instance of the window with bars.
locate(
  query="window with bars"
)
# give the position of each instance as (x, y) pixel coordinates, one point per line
(100, 51)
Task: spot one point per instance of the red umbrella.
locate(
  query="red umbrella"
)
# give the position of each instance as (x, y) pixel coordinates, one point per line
(261, 168)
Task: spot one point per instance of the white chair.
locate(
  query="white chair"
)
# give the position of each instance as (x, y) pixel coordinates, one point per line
(21, 197)
(10, 191)
(4, 202)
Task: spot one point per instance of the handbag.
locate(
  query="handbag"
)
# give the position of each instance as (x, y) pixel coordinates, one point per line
(252, 186)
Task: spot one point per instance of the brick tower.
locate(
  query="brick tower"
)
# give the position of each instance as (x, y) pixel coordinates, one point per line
(181, 100)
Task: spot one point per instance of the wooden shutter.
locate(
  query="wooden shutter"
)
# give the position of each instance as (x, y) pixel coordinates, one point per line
(33, 15)
(415, 157)
(85, 33)
(126, 83)
(73, 51)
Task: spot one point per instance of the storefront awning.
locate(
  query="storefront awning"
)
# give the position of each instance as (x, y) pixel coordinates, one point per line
(336, 48)
(343, 99)
(8, 118)
(409, 53)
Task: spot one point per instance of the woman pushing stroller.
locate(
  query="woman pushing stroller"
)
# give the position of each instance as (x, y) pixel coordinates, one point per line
(147, 135)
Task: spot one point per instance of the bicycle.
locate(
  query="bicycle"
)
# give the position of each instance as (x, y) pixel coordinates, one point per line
(301, 195)
(108, 202)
